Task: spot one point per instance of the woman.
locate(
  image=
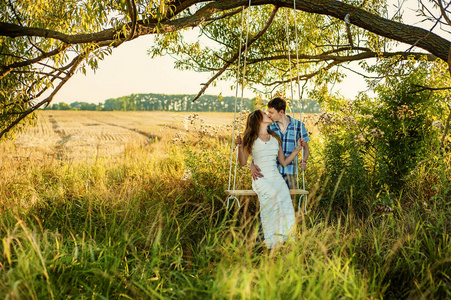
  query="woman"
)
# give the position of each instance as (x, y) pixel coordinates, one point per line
(276, 209)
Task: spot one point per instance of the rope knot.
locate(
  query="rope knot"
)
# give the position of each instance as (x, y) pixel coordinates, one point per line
(233, 198)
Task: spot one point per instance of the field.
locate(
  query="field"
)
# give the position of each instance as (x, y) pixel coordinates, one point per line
(72, 135)
(132, 205)
(84, 135)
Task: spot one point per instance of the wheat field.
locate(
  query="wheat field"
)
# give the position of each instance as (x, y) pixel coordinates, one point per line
(85, 135)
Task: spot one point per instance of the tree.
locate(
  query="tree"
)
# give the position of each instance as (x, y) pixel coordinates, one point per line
(43, 44)
(64, 106)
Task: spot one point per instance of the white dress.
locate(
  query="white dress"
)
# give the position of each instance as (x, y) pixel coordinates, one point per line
(276, 207)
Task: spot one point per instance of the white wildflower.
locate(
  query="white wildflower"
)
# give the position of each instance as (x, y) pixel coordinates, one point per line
(187, 175)
(437, 124)
(376, 133)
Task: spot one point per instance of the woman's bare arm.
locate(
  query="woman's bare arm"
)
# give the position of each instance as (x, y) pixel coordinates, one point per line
(243, 155)
(284, 161)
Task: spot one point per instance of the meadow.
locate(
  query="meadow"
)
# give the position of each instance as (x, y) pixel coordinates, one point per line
(131, 205)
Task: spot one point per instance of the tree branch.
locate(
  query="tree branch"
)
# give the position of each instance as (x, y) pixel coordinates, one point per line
(302, 77)
(132, 11)
(20, 23)
(38, 73)
(400, 32)
(235, 56)
(443, 11)
(24, 114)
(426, 88)
(226, 15)
(348, 58)
(9, 68)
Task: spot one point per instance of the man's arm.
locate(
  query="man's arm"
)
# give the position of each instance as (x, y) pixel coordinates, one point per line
(255, 171)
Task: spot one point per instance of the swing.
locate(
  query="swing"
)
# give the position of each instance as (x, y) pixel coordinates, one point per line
(234, 193)
(252, 192)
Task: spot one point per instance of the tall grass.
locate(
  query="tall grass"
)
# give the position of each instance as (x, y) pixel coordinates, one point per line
(137, 226)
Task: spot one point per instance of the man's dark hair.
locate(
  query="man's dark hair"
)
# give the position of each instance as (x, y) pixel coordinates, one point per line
(278, 104)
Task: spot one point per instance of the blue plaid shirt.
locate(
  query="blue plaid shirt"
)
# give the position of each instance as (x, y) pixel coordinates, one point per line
(295, 130)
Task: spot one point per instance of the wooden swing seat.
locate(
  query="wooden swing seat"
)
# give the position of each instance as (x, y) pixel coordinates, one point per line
(252, 193)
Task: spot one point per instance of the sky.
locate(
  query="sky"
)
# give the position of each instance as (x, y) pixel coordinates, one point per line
(130, 70)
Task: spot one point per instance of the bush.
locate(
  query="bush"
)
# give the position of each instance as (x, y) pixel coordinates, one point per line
(371, 146)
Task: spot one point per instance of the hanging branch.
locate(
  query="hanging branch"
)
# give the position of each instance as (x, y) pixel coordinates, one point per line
(235, 56)
(226, 15)
(67, 70)
(302, 77)
(443, 11)
(75, 63)
(7, 69)
(427, 88)
(132, 11)
(11, 6)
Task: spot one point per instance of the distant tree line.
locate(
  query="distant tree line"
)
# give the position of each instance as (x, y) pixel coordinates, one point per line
(162, 102)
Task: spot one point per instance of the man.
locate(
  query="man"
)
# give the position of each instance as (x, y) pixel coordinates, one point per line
(289, 130)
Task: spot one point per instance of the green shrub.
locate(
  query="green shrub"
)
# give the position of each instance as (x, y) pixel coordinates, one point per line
(373, 145)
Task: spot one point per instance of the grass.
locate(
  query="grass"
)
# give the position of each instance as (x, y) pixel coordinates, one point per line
(129, 226)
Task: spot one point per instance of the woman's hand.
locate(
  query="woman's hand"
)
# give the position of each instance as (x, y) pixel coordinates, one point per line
(300, 144)
(238, 141)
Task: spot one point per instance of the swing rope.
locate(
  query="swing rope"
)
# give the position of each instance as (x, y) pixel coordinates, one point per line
(299, 97)
(233, 193)
(300, 107)
(233, 197)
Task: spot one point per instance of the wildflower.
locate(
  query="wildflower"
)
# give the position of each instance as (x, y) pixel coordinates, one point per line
(359, 138)
(404, 110)
(187, 175)
(437, 124)
(383, 209)
(326, 119)
(376, 133)
(350, 120)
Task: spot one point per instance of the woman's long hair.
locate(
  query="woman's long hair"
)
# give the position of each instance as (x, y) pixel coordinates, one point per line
(253, 128)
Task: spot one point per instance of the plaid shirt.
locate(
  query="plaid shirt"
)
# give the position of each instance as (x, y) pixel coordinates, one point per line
(295, 130)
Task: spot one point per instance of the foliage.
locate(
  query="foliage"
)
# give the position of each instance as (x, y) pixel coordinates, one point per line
(376, 144)
(268, 66)
(345, 162)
